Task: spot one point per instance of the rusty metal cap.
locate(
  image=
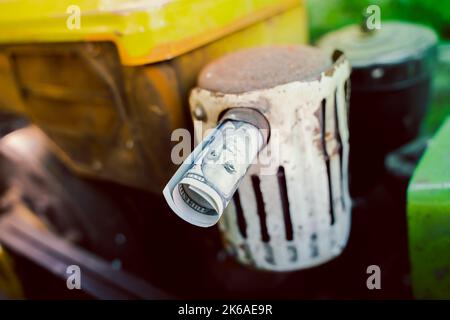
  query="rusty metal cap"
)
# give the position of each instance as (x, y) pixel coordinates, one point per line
(263, 68)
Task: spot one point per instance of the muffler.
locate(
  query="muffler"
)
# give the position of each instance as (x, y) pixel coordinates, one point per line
(273, 156)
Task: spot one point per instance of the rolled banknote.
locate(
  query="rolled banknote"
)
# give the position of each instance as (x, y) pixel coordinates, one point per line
(205, 183)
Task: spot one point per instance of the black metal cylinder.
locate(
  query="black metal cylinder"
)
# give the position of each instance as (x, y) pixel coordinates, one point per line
(390, 89)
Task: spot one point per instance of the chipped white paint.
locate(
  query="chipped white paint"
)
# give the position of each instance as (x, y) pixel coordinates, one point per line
(294, 112)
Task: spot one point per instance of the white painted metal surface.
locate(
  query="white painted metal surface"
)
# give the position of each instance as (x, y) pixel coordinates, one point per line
(308, 159)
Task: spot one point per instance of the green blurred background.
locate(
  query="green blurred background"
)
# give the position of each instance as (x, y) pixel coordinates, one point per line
(328, 15)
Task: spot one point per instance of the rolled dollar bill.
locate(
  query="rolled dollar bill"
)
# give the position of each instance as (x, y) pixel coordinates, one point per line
(205, 183)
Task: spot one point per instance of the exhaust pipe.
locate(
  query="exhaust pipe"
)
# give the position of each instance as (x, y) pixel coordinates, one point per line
(285, 109)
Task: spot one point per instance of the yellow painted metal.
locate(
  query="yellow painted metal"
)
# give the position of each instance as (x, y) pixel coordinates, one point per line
(9, 282)
(143, 31)
(112, 121)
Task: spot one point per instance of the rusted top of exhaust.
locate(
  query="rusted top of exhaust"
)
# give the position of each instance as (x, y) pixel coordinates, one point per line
(263, 68)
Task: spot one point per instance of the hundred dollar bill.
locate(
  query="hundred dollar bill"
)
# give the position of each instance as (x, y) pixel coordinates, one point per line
(204, 184)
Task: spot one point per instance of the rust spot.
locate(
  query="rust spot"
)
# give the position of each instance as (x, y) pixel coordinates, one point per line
(336, 151)
(118, 33)
(215, 94)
